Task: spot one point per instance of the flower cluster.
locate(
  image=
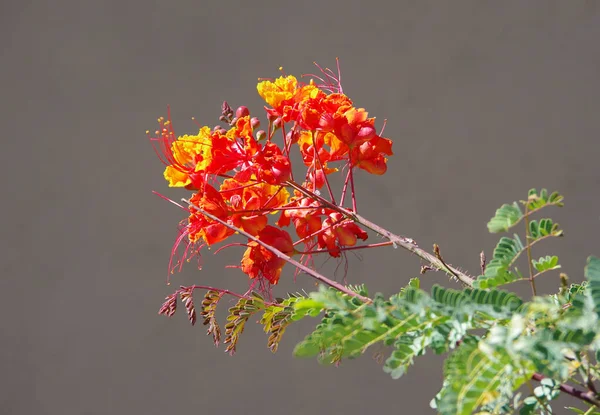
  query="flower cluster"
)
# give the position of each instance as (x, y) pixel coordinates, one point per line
(242, 175)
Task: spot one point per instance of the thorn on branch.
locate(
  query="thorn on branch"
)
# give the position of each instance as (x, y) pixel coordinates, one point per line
(438, 255)
(425, 268)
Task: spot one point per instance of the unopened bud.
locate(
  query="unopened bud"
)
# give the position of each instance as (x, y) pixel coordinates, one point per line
(225, 108)
(242, 111)
(277, 123)
(261, 135)
(254, 123)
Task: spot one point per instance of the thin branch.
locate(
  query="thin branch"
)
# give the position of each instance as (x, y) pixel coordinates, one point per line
(403, 242)
(529, 244)
(482, 262)
(588, 397)
(438, 255)
(529, 261)
(283, 256)
(531, 212)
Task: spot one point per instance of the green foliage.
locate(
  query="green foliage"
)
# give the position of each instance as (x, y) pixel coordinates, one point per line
(505, 218)
(539, 401)
(543, 227)
(592, 273)
(500, 270)
(546, 263)
(497, 271)
(508, 215)
(474, 376)
(486, 369)
(238, 317)
(496, 342)
(539, 200)
(411, 321)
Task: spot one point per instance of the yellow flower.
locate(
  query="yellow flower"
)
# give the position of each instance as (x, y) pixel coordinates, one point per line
(189, 154)
(275, 92)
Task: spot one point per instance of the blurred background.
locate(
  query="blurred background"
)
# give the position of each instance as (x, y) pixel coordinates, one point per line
(484, 100)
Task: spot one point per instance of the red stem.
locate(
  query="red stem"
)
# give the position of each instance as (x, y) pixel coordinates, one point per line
(279, 254)
(588, 396)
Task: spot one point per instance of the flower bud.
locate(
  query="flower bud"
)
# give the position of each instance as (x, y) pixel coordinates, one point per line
(277, 124)
(254, 123)
(242, 111)
(261, 135)
(292, 136)
(225, 108)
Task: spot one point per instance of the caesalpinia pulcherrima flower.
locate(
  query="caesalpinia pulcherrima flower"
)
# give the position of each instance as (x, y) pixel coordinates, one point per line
(242, 175)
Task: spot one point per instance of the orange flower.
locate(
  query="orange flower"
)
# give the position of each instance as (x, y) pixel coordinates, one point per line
(307, 221)
(201, 227)
(185, 157)
(369, 155)
(339, 232)
(353, 127)
(258, 262)
(271, 166)
(318, 111)
(255, 200)
(311, 144)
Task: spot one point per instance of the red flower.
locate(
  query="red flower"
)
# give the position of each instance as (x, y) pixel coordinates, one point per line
(260, 262)
(370, 155)
(253, 201)
(306, 221)
(339, 232)
(199, 226)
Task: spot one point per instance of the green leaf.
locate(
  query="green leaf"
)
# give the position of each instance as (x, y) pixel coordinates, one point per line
(497, 270)
(537, 200)
(237, 318)
(592, 274)
(277, 318)
(544, 227)
(405, 349)
(308, 306)
(474, 378)
(546, 263)
(506, 217)
(471, 300)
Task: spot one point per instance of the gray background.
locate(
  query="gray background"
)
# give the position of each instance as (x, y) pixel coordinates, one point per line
(484, 100)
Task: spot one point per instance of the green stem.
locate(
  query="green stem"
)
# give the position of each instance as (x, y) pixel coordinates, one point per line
(529, 259)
